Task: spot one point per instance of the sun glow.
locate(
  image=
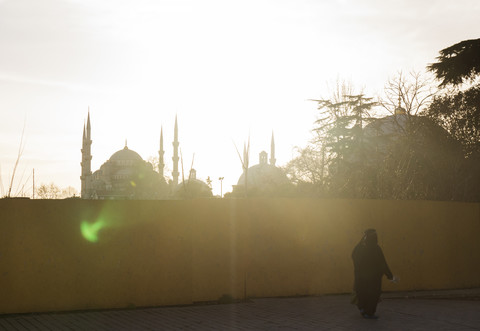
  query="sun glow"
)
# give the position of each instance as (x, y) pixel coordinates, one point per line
(229, 70)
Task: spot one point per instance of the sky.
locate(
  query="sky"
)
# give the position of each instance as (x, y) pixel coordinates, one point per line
(229, 70)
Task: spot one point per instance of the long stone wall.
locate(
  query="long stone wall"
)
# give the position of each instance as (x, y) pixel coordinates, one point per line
(153, 253)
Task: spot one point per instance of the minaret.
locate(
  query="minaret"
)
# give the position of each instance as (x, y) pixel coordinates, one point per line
(161, 163)
(175, 172)
(86, 159)
(245, 158)
(272, 151)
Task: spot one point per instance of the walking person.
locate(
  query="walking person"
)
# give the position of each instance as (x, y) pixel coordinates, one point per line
(369, 267)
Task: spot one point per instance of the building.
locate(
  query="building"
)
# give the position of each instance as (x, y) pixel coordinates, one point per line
(125, 175)
(192, 188)
(262, 179)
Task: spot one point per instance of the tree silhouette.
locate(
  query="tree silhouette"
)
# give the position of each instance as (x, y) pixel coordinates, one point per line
(457, 63)
(340, 133)
(459, 113)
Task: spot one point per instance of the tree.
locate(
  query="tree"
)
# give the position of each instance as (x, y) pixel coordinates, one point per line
(15, 189)
(329, 164)
(344, 143)
(413, 92)
(307, 170)
(459, 114)
(69, 192)
(52, 191)
(192, 189)
(401, 156)
(458, 63)
(154, 161)
(418, 162)
(307, 166)
(459, 111)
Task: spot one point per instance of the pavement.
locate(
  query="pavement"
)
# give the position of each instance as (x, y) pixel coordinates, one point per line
(426, 310)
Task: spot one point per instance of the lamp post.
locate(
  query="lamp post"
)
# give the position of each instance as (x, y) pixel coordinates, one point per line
(221, 186)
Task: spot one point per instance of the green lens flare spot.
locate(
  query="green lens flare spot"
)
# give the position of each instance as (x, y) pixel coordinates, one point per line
(133, 183)
(90, 230)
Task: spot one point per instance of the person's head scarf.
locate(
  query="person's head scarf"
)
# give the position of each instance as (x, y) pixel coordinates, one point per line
(370, 237)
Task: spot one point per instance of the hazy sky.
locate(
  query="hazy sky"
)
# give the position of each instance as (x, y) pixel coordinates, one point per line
(228, 69)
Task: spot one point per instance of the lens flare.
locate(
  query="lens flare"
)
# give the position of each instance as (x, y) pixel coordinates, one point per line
(90, 230)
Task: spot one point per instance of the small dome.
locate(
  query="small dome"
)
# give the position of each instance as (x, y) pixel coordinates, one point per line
(193, 188)
(392, 124)
(263, 174)
(126, 154)
(400, 111)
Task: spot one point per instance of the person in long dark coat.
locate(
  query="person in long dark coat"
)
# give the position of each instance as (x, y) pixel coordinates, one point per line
(369, 267)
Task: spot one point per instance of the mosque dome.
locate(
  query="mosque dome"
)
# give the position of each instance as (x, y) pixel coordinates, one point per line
(193, 188)
(400, 111)
(388, 125)
(126, 154)
(383, 134)
(125, 175)
(263, 175)
(397, 125)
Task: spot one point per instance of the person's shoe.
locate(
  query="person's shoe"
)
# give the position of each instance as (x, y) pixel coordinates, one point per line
(367, 316)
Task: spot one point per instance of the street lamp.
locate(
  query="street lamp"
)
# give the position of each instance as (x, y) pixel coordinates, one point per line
(221, 186)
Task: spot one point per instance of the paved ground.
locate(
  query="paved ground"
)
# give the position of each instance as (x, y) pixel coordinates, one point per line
(446, 310)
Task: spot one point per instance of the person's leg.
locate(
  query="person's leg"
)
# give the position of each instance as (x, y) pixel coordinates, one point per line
(362, 295)
(370, 304)
(372, 295)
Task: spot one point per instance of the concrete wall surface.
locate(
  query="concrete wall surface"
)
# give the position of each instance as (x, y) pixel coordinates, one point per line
(153, 253)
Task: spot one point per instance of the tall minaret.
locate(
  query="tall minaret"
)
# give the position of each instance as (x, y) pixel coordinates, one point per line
(245, 158)
(175, 172)
(272, 151)
(161, 163)
(86, 159)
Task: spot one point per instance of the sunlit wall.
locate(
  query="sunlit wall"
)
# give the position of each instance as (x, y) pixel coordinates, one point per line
(73, 254)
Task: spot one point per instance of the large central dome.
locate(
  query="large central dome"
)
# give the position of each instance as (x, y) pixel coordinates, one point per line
(126, 155)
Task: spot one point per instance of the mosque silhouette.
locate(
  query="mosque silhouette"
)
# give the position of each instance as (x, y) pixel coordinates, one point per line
(125, 175)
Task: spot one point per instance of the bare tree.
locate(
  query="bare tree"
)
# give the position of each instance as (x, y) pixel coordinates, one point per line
(413, 92)
(48, 191)
(308, 166)
(153, 160)
(17, 161)
(52, 191)
(69, 192)
(245, 162)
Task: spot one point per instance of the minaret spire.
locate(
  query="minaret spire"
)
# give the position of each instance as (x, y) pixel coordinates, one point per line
(175, 172)
(272, 151)
(161, 152)
(88, 125)
(86, 159)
